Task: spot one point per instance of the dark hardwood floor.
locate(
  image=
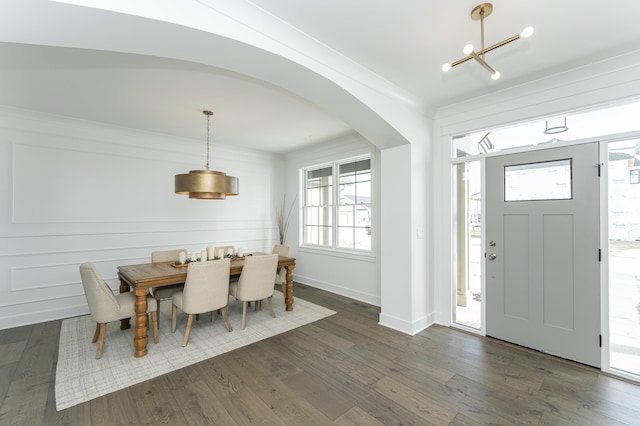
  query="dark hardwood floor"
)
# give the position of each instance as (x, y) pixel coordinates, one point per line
(344, 370)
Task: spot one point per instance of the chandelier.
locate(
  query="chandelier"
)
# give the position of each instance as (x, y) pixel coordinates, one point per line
(481, 12)
(206, 184)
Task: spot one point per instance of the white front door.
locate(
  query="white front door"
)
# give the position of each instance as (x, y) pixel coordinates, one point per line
(542, 251)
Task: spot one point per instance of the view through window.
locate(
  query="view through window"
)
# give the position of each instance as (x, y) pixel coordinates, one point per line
(624, 255)
(337, 205)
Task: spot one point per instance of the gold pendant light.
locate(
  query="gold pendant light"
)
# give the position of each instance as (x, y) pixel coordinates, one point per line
(206, 184)
(479, 13)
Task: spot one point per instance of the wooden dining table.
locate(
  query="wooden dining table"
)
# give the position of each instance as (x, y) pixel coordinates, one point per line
(141, 278)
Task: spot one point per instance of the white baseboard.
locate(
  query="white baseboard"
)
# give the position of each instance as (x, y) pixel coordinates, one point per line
(407, 327)
(342, 291)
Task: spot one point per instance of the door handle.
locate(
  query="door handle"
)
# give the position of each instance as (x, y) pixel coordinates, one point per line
(492, 256)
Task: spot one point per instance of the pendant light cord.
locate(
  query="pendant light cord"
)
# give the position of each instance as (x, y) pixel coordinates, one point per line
(208, 114)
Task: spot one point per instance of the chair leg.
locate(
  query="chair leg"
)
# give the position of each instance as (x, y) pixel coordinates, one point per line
(270, 305)
(158, 311)
(188, 331)
(244, 314)
(225, 317)
(174, 311)
(214, 314)
(97, 333)
(103, 331)
(154, 320)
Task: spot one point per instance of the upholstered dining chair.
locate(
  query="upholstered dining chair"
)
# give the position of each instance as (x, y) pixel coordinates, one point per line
(106, 307)
(206, 289)
(281, 274)
(256, 282)
(164, 293)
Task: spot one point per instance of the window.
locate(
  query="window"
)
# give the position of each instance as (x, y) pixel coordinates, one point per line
(337, 205)
(538, 181)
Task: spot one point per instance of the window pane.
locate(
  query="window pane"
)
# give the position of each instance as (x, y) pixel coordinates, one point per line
(363, 215)
(347, 193)
(318, 216)
(319, 196)
(319, 173)
(325, 218)
(318, 235)
(313, 197)
(311, 235)
(345, 237)
(362, 238)
(363, 177)
(549, 180)
(311, 216)
(363, 192)
(347, 179)
(354, 237)
(346, 217)
(320, 181)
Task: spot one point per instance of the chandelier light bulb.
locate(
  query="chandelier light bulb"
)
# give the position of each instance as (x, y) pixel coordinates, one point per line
(446, 67)
(495, 75)
(468, 49)
(527, 32)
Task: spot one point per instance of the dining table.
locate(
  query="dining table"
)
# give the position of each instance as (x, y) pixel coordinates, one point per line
(142, 277)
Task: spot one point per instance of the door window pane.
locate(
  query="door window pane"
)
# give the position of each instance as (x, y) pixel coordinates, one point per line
(549, 180)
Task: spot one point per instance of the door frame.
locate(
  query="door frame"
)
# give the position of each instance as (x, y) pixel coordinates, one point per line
(604, 237)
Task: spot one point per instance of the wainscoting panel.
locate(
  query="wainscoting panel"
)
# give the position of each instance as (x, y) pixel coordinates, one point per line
(77, 191)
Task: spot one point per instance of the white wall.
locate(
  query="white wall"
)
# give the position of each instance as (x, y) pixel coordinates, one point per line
(396, 251)
(592, 86)
(75, 191)
(407, 297)
(352, 275)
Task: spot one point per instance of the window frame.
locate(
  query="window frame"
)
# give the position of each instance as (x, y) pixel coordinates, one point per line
(335, 205)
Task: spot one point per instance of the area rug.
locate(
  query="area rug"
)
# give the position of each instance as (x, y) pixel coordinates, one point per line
(80, 377)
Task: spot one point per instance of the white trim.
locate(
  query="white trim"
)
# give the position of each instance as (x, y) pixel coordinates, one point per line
(363, 256)
(337, 289)
(408, 327)
(605, 363)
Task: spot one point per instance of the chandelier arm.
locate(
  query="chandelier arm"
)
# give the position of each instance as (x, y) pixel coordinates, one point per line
(481, 61)
(500, 44)
(488, 49)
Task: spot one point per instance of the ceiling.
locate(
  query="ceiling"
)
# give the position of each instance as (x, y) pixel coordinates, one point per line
(162, 86)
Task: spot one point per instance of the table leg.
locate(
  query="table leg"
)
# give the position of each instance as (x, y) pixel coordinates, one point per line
(141, 339)
(124, 288)
(288, 295)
